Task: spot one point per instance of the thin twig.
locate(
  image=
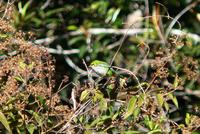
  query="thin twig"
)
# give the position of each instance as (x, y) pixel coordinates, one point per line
(45, 4)
(70, 62)
(77, 112)
(121, 43)
(89, 74)
(65, 52)
(113, 45)
(146, 7)
(165, 9)
(154, 78)
(74, 66)
(97, 31)
(158, 24)
(73, 95)
(143, 60)
(6, 10)
(92, 31)
(178, 16)
(131, 73)
(60, 89)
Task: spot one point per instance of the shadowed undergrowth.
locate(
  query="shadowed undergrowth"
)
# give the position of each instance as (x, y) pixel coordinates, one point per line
(158, 93)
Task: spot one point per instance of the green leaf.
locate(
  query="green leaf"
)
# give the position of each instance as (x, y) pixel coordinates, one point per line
(122, 82)
(37, 117)
(155, 131)
(19, 78)
(141, 99)
(103, 104)
(166, 105)
(41, 100)
(29, 16)
(3, 35)
(176, 82)
(22, 65)
(83, 50)
(136, 112)
(76, 40)
(31, 65)
(100, 120)
(131, 107)
(116, 13)
(84, 95)
(115, 115)
(103, 119)
(54, 11)
(131, 132)
(37, 21)
(81, 118)
(112, 15)
(31, 128)
(23, 10)
(151, 125)
(149, 122)
(187, 119)
(98, 96)
(5, 123)
(160, 99)
(95, 122)
(88, 131)
(174, 99)
(72, 27)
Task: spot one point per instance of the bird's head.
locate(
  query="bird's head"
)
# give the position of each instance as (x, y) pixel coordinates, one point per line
(101, 68)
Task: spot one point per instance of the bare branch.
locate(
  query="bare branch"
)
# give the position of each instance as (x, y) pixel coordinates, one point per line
(71, 63)
(178, 16)
(97, 31)
(64, 52)
(46, 4)
(92, 31)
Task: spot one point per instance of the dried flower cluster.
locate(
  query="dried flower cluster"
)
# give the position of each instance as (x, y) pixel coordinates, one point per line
(23, 67)
(26, 72)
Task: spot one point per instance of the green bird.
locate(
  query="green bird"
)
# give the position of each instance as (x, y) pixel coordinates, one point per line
(102, 68)
(114, 81)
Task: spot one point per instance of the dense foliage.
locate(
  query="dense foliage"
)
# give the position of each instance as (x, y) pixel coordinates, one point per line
(46, 81)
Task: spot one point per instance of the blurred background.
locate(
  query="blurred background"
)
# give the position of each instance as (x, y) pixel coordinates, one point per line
(76, 30)
(152, 35)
